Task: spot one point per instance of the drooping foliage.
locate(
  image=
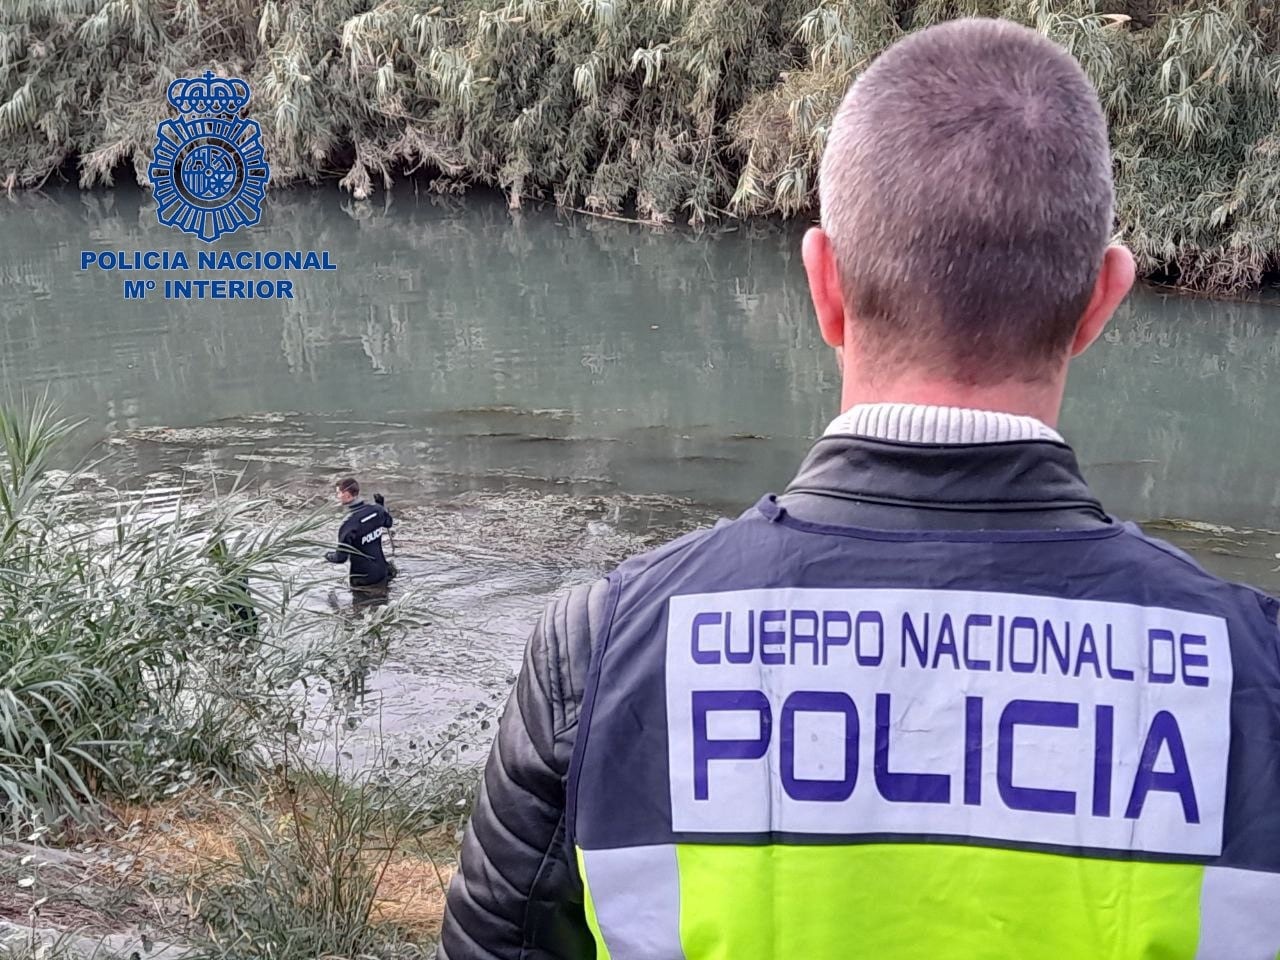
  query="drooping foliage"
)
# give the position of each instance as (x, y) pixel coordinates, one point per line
(678, 109)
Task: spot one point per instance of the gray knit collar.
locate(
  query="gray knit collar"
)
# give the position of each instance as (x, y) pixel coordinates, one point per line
(920, 423)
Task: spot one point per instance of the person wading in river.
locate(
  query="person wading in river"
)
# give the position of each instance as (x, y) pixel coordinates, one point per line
(932, 700)
(360, 544)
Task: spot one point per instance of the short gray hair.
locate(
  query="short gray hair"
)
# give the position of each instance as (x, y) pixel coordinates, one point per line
(966, 189)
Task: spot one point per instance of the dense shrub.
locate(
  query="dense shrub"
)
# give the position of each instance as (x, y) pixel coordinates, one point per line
(680, 109)
(139, 651)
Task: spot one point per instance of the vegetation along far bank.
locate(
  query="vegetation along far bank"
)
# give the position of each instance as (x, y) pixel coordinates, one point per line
(674, 110)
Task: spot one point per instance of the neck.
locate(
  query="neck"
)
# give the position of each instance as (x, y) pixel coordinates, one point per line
(1040, 399)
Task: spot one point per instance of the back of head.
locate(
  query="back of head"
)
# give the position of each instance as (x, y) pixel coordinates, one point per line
(966, 189)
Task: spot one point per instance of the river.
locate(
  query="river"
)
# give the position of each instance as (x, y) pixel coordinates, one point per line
(539, 395)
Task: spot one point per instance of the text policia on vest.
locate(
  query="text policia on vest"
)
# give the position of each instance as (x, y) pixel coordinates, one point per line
(1005, 711)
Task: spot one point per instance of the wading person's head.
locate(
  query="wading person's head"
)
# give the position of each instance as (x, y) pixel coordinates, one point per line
(966, 200)
(348, 490)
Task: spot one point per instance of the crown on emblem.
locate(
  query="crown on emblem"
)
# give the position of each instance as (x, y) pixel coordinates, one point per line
(209, 94)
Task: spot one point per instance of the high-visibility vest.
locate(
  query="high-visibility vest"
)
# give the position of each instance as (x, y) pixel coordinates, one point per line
(812, 742)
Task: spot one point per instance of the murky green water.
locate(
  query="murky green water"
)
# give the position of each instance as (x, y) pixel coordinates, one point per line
(538, 396)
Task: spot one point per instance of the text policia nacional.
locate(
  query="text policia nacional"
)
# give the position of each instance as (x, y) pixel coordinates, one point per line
(1000, 713)
(237, 286)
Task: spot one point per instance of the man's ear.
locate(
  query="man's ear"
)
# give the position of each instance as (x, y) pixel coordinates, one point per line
(824, 285)
(1114, 282)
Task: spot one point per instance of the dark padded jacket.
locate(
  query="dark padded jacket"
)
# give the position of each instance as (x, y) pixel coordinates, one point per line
(360, 543)
(517, 895)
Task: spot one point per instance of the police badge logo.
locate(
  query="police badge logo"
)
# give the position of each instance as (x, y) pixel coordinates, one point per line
(208, 171)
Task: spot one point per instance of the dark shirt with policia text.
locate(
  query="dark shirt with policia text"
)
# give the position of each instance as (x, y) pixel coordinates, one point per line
(360, 543)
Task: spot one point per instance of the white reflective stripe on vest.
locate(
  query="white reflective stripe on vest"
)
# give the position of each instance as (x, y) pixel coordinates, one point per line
(636, 894)
(1239, 915)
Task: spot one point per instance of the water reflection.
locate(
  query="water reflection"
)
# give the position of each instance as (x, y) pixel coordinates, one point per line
(463, 311)
(432, 309)
(1170, 412)
(542, 395)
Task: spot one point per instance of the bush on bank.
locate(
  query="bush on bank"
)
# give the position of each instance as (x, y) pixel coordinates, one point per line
(681, 109)
(133, 658)
(147, 646)
(163, 654)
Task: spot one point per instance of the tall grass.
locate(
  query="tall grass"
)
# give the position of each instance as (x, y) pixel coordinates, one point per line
(145, 651)
(313, 865)
(139, 651)
(349, 858)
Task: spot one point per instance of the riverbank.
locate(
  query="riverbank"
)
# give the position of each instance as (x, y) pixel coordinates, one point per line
(177, 752)
(666, 111)
(219, 873)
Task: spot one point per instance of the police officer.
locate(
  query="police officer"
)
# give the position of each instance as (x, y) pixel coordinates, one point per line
(932, 700)
(360, 542)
